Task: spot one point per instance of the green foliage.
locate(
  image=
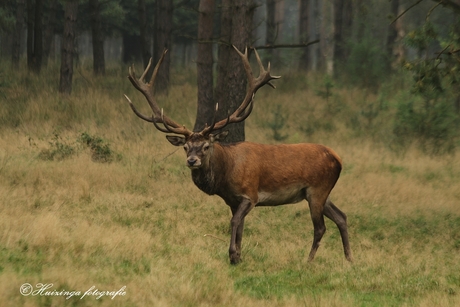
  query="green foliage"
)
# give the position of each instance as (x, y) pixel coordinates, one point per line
(431, 124)
(59, 149)
(7, 20)
(277, 123)
(430, 118)
(367, 64)
(112, 15)
(100, 149)
(326, 91)
(422, 37)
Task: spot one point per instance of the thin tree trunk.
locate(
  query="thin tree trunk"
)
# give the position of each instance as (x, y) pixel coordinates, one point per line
(231, 87)
(30, 33)
(304, 31)
(38, 37)
(271, 29)
(339, 51)
(131, 48)
(15, 54)
(67, 48)
(204, 61)
(144, 41)
(392, 34)
(97, 37)
(48, 36)
(163, 20)
(347, 26)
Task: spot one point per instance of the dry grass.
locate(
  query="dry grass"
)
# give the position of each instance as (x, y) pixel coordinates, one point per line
(139, 222)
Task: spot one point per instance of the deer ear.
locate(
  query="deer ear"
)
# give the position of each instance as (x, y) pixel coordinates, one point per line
(176, 140)
(219, 136)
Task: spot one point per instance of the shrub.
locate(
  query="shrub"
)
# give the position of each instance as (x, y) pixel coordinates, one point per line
(277, 124)
(100, 149)
(59, 149)
(431, 124)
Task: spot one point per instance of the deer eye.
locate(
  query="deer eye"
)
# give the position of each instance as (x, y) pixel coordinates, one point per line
(205, 147)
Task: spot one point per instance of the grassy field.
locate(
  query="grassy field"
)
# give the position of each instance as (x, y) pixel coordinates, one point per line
(92, 198)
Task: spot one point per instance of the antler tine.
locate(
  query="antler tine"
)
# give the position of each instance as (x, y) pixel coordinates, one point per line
(177, 130)
(157, 67)
(245, 108)
(147, 90)
(264, 72)
(147, 119)
(146, 70)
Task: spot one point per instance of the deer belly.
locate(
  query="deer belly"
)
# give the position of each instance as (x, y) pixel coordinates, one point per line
(286, 195)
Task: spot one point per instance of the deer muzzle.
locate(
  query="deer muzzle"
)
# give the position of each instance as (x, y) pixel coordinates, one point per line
(193, 162)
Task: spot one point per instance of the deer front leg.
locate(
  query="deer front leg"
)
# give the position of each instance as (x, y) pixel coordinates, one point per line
(237, 224)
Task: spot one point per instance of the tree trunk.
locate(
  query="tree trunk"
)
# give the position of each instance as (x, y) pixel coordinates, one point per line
(204, 61)
(67, 48)
(97, 37)
(30, 33)
(144, 40)
(48, 36)
(231, 85)
(131, 48)
(38, 37)
(163, 23)
(304, 31)
(271, 29)
(339, 42)
(15, 54)
(392, 33)
(347, 26)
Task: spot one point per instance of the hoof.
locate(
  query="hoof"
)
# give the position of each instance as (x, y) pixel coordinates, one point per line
(234, 260)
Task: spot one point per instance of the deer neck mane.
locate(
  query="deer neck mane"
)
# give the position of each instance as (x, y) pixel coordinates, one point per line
(209, 177)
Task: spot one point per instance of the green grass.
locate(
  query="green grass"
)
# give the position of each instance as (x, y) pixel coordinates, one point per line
(138, 221)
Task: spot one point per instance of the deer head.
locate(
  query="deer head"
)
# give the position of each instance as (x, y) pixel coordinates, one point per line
(198, 145)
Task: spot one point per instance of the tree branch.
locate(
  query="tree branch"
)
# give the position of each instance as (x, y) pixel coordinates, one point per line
(446, 3)
(303, 45)
(454, 5)
(405, 11)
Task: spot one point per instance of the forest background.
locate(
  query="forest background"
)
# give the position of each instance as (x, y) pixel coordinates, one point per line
(91, 195)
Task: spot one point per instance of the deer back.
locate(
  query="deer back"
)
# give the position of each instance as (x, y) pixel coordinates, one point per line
(248, 170)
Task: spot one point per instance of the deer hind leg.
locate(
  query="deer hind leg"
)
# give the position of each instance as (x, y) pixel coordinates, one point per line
(237, 224)
(316, 211)
(340, 219)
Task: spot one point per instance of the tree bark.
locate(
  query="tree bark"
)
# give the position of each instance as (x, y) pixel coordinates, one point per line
(204, 61)
(392, 33)
(15, 54)
(231, 84)
(48, 33)
(67, 48)
(304, 31)
(144, 41)
(131, 48)
(38, 37)
(30, 33)
(97, 37)
(338, 37)
(271, 29)
(163, 25)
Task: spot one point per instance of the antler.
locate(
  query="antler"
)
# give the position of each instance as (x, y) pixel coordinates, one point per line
(254, 84)
(146, 89)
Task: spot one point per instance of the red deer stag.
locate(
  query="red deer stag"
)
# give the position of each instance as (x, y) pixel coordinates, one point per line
(246, 174)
